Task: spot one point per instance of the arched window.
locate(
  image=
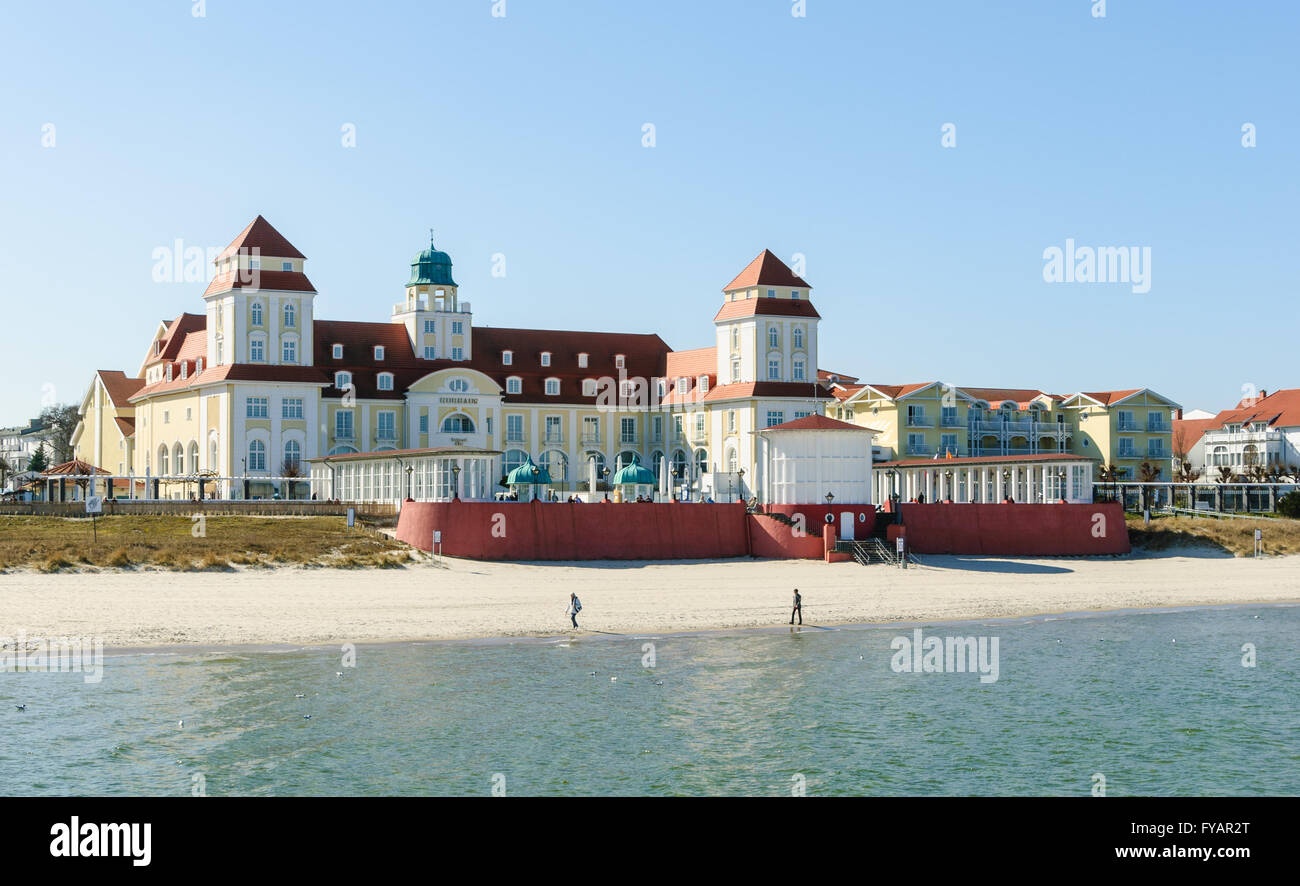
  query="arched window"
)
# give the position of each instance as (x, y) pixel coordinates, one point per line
(256, 455)
(179, 454)
(513, 459)
(731, 459)
(194, 457)
(458, 386)
(1219, 456)
(163, 461)
(701, 461)
(600, 462)
(255, 311)
(624, 459)
(292, 455)
(457, 424)
(290, 315)
(773, 337)
(656, 460)
(680, 462)
(556, 464)
(214, 456)
(798, 338)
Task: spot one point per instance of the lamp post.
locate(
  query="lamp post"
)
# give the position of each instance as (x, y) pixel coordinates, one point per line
(455, 481)
(830, 497)
(409, 471)
(1006, 484)
(948, 486)
(741, 475)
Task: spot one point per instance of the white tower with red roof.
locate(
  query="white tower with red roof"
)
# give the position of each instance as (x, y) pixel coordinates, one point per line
(260, 304)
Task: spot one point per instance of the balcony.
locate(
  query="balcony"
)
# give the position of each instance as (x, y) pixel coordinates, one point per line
(423, 305)
(344, 435)
(919, 449)
(590, 438)
(628, 439)
(1157, 427)
(1127, 424)
(554, 439)
(1228, 437)
(385, 436)
(514, 437)
(952, 421)
(920, 421)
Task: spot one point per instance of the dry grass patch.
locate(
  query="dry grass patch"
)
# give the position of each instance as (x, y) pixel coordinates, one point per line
(51, 544)
(1233, 536)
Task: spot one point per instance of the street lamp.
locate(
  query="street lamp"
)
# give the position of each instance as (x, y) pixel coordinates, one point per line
(1006, 484)
(830, 497)
(741, 475)
(455, 481)
(409, 471)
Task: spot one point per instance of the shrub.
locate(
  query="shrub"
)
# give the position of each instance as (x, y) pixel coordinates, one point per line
(1289, 505)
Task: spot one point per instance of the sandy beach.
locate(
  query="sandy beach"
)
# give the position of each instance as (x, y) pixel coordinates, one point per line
(465, 599)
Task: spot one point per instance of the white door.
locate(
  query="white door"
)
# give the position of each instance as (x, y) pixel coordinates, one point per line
(846, 525)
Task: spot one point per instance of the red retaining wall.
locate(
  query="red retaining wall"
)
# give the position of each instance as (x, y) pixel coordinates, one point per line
(563, 531)
(773, 539)
(1016, 530)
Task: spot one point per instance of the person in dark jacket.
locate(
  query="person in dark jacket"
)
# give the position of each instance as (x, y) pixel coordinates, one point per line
(798, 607)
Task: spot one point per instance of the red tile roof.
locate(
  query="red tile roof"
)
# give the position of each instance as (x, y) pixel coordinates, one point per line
(1187, 432)
(766, 270)
(126, 426)
(777, 390)
(693, 363)
(1280, 409)
(826, 375)
(816, 423)
(260, 235)
(778, 307)
(174, 337)
(119, 385)
(1022, 397)
(284, 281)
(1106, 398)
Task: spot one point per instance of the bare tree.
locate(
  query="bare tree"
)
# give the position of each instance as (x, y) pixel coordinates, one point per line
(60, 422)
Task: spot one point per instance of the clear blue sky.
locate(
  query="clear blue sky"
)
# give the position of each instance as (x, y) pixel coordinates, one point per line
(817, 135)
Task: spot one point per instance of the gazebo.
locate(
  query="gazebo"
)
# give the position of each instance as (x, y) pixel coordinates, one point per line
(529, 476)
(634, 479)
(77, 471)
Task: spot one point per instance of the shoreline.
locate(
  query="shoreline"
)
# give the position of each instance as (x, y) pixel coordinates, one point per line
(606, 636)
(267, 610)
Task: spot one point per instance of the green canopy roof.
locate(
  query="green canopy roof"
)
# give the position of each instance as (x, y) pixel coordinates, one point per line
(431, 267)
(528, 473)
(633, 474)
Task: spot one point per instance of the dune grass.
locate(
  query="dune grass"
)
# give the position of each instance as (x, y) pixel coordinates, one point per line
(53, 544)
(1231, 536)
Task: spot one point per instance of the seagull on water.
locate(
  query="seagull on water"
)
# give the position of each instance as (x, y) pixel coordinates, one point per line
(300, 695)
(338, 673)
(306, 716)
(21, 707)
(180, 723)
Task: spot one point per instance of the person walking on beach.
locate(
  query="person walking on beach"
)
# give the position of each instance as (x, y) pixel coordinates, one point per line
(575, 606)
(798, 607)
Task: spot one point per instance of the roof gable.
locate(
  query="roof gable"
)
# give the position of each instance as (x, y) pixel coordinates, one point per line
(766, 270)
(260, 235)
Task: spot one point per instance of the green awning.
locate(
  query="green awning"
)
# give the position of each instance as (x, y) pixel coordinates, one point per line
(528, 474)
(633, 474)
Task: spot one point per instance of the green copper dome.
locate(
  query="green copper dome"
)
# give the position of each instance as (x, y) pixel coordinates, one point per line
(528, 473)
(633, 474)
(431, 268)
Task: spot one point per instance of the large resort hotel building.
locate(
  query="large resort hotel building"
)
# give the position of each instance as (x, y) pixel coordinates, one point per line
(257, 389)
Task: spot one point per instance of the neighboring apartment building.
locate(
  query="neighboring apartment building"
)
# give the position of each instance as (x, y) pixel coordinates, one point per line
(17, 446)
(938, 420)
(1261, 431)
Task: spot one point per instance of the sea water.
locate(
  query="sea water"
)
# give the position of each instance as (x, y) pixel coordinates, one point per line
(1195, 701)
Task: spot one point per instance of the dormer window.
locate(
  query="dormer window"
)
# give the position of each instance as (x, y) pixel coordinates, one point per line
(185, 370)
(342, 380)
(337, 352)
(704, 384)
(661, 386)
(552, 387)
(255, 264)
(546, 358)
(198, 365)
(619, 361)
(256, 313)
(286, 266)
(385, 381)
(771, 293)
(169, 372)
(794, 294)
(514, 385)
(582, 361)
(379, 352)
(588, 387)
(507, 358)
